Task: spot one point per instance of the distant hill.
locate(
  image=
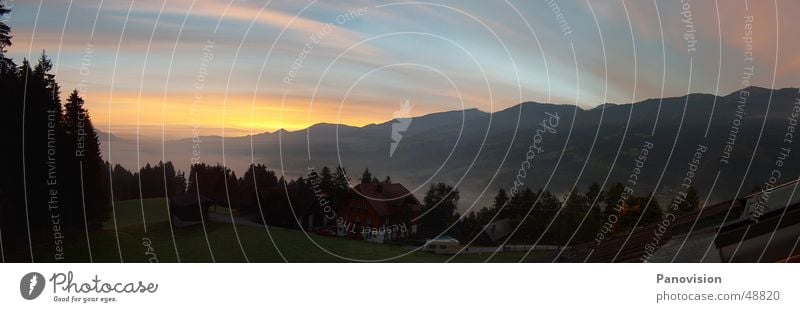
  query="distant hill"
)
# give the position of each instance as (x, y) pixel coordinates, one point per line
(105, 136)
(481, 152)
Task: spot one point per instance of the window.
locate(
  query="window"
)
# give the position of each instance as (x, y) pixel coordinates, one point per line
(442, 247)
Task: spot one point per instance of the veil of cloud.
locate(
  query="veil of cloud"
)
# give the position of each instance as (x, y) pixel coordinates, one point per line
(444, 55)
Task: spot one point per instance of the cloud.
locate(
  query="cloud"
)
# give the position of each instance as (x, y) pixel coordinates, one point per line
(457, 45)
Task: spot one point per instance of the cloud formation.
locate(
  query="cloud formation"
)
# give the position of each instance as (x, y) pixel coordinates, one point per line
(486, 55)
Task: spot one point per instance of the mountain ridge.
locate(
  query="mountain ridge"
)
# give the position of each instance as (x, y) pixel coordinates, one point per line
(478, 151)
(753, 90)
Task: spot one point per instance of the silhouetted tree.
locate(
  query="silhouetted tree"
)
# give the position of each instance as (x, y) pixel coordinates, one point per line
(216, 182)
(500, 199)
(6, 65)
(468, 227)
(366, 177)
(441, 202)
(126, 185)
(340, 180)
(13, 223)
(691, 202)
(326, 180)
(58, 182)
(84, 157)
(254, 181)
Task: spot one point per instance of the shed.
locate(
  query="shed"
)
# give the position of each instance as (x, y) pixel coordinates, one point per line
(188, 209)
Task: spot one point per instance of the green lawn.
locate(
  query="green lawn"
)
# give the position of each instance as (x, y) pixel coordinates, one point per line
(129, 212)
(217, 242)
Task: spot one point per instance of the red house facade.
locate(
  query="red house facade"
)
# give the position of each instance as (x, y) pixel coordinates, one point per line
(378, 212)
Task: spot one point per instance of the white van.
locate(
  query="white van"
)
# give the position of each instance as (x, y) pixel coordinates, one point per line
(442, 245)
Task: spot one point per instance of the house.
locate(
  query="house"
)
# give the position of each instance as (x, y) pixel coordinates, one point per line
(767, 231)
(763, 226)
(378, 212)
(188, 209)
(772, 238)
(495, 233)
(694, 231)
(622, 247)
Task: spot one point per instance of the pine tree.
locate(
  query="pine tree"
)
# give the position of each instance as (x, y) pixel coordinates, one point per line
(441, 204)
(12, 194)
(340, 180)
(500, 199)
(691, 202)
(86, 155)
(6, 65)
(125, 185)
(326, 180)
(48, 82)
(366, 177)
(5, 31)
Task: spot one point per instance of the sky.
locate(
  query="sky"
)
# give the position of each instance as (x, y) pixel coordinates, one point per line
(180, 68)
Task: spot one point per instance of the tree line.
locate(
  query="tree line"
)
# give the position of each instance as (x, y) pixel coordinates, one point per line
(55, 187)
(537, 215)
(575, 217)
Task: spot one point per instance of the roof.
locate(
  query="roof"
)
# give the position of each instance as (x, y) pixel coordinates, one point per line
(692, 247)
(779, 186)
(633, 248)
(707, 217)
(629, 247)
(387, 198)
(693, 232)
(617, 248)
(498, 229)
(188, 199)
(699, 221)
(772, 237)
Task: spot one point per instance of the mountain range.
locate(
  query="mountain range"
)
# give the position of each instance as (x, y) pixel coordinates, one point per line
(480, 152)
